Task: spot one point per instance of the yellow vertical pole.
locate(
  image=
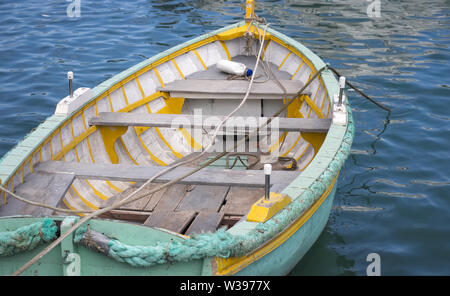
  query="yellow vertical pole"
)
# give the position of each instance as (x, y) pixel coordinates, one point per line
(249, 10)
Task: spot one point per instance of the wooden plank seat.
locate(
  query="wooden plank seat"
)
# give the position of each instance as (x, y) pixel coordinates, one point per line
(41, 187)
(206, 176)
(232, 89)
(307, 125)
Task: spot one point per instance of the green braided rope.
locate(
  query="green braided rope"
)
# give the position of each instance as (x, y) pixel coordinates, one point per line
(27, 237)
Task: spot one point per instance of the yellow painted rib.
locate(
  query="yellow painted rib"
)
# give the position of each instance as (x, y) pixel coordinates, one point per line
(124, 96)
(113, 186)
(153, 157)
(265, 48)
(225, 49)
(303, 153)
(278, 143)
(31, 165)
(140, 88)
(285, 58)
(110, 103)
(127, 152)
(70, 207)
(96, 108)
(85, 201)
(313, 106)
(232, 265)
(292, 147)
(190, 139)
(142, 102)
(308, 161)
(200, 59)
(90, 150)
(299, 67)
(158, 76)
(72, 144)
(96, 192)
(178, 69)
(177, 154)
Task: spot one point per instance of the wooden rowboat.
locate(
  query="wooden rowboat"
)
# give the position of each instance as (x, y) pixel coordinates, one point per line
(104, 143)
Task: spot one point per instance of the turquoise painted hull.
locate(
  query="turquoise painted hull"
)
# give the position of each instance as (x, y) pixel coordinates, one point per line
(285, 257)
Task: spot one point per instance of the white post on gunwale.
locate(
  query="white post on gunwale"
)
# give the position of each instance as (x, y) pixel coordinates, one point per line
(70, 77)
(341, 89)
(267, 172)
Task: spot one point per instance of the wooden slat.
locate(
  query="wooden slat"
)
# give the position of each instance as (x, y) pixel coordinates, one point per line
(206, 176)
(174, 221)
(309, 125)
(171, 198)
(204, 222)
(135, 216)
(239, 200)
(46, 188)
(203, 198)
(231, 89)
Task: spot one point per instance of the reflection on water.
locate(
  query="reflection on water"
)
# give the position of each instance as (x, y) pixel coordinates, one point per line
(392, 191)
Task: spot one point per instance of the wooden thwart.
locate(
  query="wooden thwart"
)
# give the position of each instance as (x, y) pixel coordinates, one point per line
(231, 89)
(309, 125)
(38, 187)
(206, 176)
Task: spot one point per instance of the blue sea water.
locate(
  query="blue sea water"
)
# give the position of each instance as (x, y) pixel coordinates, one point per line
(393, 197)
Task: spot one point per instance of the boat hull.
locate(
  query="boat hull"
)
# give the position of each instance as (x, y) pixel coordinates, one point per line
(284, 258)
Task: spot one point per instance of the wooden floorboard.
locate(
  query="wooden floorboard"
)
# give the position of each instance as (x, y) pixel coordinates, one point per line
(203, 198)
(174, 221)
(171, 198)
(239, 200)
(204, 222)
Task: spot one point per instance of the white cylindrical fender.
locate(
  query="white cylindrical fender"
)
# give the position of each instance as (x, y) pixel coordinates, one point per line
(233, 68)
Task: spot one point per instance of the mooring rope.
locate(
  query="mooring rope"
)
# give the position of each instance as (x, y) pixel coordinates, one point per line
(359, 91)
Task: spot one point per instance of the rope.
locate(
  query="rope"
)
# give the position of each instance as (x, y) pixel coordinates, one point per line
(359, 91)
(26, 238)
